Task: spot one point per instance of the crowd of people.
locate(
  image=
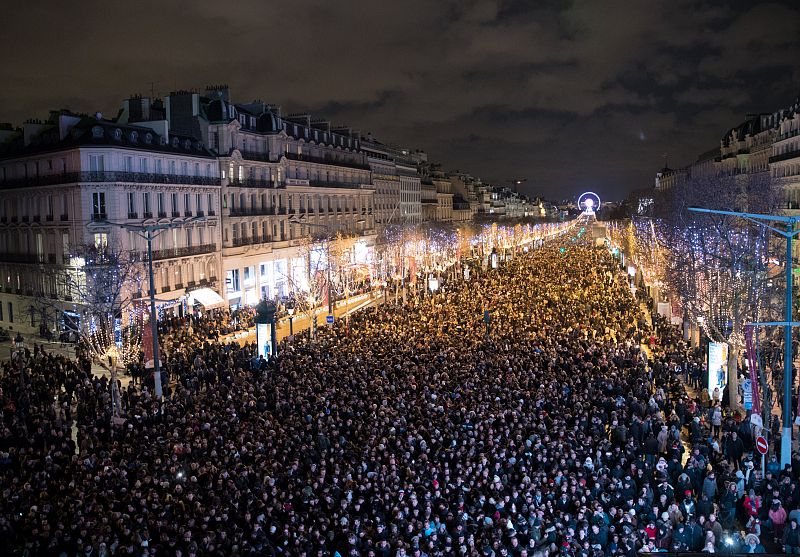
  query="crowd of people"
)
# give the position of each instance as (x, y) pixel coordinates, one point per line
(514, 414)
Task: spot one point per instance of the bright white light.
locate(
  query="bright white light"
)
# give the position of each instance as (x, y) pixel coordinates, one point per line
(589, 202)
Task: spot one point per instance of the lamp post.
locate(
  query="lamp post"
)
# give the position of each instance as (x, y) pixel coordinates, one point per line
(290, 311)
(266, 332)
(149, 232)
(789, 233)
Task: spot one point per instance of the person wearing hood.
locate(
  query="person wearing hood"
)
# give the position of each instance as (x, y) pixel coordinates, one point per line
(791, 538)
(753, 545)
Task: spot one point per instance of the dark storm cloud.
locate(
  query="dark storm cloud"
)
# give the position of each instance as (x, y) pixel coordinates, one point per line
(570, 94)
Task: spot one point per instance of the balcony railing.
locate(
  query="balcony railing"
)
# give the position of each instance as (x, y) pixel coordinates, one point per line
(254, 155)
(176, 214)
(331, 184)
(180, 252)
(252, 212)
(326, 160)
(188, 214)
(99, 216)
(49, 218)
(147, 215)
(200, 214)
(162, 214)
(253, 183)
(36, 218)
(785, 156)
(135, 177)
(64, 217)
(133, 215)
(211, 212)
(9, 257)
(250, 240)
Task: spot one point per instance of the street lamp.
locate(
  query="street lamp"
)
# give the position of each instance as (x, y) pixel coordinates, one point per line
(266, 332)
(290, 311)
(149, 232)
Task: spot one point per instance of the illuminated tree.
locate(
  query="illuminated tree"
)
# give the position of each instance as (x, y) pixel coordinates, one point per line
(98, 282)
(719, 266)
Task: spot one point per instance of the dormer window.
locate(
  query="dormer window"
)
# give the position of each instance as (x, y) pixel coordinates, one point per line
(148, 138)
(97, 132)
(187, 144)
(134, 136)
(118, 134)
(175, 142)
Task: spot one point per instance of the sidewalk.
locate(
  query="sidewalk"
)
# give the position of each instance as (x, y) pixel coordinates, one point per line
(302, 322)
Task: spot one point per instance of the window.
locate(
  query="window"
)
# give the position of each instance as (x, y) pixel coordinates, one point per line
(1, 312)
(99, 203)
(10, 312)
(197, 203)
(128, 164)
(50, 205)
(146, 204)
(131, 203)
(214, 140)
(210, 207)
(185, 168)
(208, 170)
(101, 240)
(159, 168)
(143, 166)
(188, 237)
(161, 205)
(96, 163)
(172, 167)
(187, 204)
(197, 169)
(174, 200)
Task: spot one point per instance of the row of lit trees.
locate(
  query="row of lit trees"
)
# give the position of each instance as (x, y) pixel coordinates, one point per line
(722, 268)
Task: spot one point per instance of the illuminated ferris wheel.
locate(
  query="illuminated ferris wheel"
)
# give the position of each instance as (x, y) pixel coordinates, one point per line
(589, 202)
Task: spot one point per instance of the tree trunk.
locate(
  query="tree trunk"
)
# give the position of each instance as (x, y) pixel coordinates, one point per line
(733, 377)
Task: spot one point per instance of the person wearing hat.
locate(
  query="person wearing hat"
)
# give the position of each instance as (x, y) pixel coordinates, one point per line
(791, 538)
(776, 520)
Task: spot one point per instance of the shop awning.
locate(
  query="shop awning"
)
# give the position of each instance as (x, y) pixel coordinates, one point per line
(207, 298)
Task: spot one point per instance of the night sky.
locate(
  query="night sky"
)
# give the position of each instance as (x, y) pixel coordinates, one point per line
(570, 95)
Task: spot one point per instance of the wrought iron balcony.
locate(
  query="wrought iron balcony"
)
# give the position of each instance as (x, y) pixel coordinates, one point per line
(135, 177)
(186, 251)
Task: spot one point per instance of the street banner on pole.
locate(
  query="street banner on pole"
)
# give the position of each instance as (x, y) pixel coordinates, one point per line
(147, 342)
(717, 368)
(752, 363)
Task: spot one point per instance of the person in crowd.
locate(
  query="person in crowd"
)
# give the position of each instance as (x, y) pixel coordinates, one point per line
(416, 431)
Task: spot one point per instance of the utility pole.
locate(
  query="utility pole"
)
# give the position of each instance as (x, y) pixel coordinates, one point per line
(149, 232)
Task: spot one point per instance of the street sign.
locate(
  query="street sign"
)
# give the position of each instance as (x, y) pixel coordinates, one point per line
(747, 391)
(329, 319)
(761, 445)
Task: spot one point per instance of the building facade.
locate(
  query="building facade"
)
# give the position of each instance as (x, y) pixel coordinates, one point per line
(283, 180)
(74, 183)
